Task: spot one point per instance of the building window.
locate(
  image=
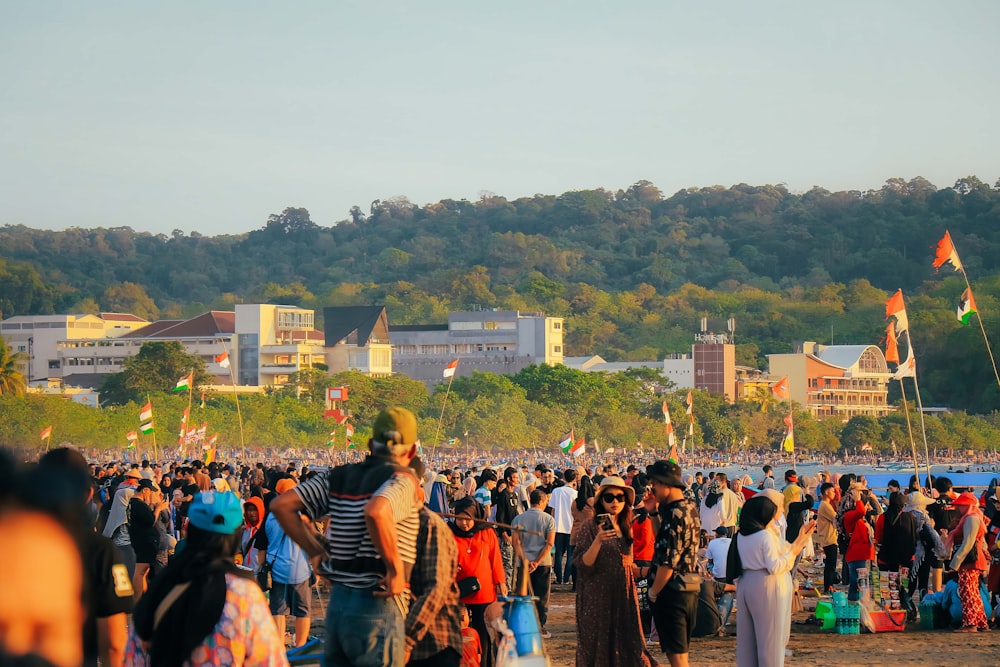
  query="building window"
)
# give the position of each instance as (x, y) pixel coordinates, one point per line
(557, 349)
(557, 325)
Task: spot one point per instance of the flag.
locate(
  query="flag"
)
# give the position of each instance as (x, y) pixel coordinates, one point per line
(329, 443)
(579, 447)
(891, 348)
(567, 442)
(690, 405)
(780, 389)
(132, 435)
(146, 413)
(789, 442)
(203, 431)
(147, 428)
(202, 398)
(907, 369)
(672, 454)
(966, 307)
(184, 421)
(894, 307)
(46, 433)
(349, 431)
(946, 253)
(671, 438)
(222, 359)
(449, 370)
(214, 439)
(131, 444)
(209, 455)
(185, 382)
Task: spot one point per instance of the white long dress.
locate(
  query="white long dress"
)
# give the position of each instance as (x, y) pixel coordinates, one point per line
(764, 599)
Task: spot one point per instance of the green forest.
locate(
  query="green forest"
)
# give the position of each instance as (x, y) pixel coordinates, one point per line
(632, 271)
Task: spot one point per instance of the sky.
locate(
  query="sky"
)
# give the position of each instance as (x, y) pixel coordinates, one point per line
(210, 116)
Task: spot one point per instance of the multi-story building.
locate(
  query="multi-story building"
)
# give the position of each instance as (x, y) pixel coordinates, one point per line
(273, 341)
(87, 363)
(836, 380)
(357, 339)
(495, 341)
(39, 337)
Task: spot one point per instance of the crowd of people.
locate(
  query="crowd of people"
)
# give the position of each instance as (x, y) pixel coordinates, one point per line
(185, 563)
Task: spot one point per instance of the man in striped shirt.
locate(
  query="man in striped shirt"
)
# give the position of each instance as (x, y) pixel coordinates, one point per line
(370, 546)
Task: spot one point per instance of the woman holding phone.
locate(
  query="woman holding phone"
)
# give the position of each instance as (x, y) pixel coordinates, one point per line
(606, 603)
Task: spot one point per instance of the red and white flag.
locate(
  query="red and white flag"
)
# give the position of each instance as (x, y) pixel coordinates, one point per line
(46, 433)
(895, 307)
(222, 359)
(449, 370)
(946, 253)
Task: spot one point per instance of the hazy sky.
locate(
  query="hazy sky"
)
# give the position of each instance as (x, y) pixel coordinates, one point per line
(210, 116)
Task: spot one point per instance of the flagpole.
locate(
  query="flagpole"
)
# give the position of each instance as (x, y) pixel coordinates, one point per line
(920, 404)
(447, 392)
(156, 454)
(909, 429)
(982, 328)
(236, 397)
(187, 422)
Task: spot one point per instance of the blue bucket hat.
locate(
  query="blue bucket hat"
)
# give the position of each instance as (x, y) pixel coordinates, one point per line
(216, 512)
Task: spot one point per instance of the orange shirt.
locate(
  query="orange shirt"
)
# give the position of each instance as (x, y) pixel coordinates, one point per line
(479, 556)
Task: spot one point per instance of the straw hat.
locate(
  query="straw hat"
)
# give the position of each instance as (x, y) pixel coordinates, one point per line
(609, 483)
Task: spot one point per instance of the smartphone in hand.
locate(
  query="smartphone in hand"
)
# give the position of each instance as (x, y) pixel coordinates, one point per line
(605, 522)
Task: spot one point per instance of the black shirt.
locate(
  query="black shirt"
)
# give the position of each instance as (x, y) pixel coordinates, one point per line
(107, 588)
(507, 509)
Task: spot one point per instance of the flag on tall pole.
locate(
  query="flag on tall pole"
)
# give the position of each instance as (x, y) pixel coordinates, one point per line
(147, 427)
(671, 438)
(780, 389)
(146, 413)
(895, 307)
(46, 433)
(222, 359)
(567, 442)
(789, 442)
(185, 382)
(349, 435)
(579, 448)
(449, 370)
(891, 347)
(966, 307)
(946, 253)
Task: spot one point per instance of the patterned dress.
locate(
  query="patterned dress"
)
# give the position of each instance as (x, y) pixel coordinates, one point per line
(245, 634)
(607, 609)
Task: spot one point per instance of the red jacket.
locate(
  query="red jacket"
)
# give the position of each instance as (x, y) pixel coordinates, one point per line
(642, 547)
(479, 556)
(861, 546)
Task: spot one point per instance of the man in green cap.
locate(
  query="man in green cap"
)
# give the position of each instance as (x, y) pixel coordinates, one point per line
(370, 544)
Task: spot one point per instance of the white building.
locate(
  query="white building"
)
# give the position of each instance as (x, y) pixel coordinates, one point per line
(495, 341)
(39, 338)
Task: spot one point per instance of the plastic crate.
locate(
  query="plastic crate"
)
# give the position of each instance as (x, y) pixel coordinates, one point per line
(890, 620)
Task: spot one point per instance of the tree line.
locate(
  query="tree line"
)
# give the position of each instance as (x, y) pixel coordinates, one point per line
(633, 271)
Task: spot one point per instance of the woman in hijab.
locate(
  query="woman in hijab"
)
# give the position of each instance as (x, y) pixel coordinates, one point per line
(761, 561)
(970, 559)
(896, 538)
(253, 517)
(203, 609)
(480, 575)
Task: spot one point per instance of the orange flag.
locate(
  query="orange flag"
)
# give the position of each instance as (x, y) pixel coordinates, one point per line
(895, 307)
(891, 349)
(946, 253)
(780, 389)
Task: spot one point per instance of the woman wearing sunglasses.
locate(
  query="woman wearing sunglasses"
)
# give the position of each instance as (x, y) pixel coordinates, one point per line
(606, 603)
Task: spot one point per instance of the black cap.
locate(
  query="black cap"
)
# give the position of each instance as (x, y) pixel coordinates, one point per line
(666, 472)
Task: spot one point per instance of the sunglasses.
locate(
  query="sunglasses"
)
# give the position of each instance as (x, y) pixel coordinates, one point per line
(613, 497)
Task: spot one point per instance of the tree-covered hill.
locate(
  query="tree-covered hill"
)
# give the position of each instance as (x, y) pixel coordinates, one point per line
(632, 271)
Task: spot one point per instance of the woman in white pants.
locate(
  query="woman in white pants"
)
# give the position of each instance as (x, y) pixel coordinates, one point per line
(760, 562)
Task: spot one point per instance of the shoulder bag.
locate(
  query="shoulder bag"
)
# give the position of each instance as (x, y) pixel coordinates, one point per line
(264, 578)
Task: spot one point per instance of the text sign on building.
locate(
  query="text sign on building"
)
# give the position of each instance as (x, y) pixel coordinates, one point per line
(336, 393)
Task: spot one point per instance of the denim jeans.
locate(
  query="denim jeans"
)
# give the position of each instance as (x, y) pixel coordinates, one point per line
(362, 630)
(725, 606)
(853, 591)
(563, 547)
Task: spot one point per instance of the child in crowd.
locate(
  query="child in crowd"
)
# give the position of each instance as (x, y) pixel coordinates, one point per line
(472, 649)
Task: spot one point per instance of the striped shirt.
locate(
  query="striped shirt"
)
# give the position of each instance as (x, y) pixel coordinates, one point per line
(351, 556)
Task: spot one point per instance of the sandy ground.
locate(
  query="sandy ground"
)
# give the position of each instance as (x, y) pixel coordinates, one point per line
(808, 645)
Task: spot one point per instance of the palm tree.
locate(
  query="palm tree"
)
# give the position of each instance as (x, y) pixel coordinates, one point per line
(11, 378)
